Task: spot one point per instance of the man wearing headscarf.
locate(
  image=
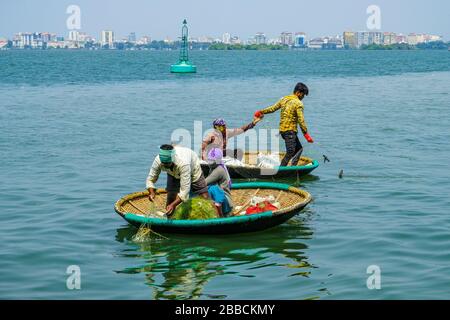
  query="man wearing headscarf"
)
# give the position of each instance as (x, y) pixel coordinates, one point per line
(219, 182)
(184, 175)
(219, 137)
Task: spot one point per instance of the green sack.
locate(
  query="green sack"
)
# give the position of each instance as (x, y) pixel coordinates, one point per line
(197, 208)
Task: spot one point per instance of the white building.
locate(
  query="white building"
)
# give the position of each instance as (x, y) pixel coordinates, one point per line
(107, 38)
(286, 38)
(260, 38)
(132, 37)
(432, 38)
(316, 43)
(144, 40)
(369, 37)
(226, 38)
(74, 35)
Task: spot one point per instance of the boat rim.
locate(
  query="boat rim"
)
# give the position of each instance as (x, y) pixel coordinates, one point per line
(140, 218)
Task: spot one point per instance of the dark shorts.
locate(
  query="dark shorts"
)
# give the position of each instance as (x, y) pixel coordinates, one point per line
(173, 187)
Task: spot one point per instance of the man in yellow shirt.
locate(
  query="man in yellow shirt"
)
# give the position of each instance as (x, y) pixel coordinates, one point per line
(291, 115)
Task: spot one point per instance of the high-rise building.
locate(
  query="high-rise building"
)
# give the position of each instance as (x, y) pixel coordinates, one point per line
(350, 40)
(74, 35)
(46, 36)
(369, 38)
(389, 38)
(363, 39)
(107, 38)
(377, 37)
(132, 37)
(25, 39)
(226, 38)
(260, 38)
(300, 40)
(286, 38)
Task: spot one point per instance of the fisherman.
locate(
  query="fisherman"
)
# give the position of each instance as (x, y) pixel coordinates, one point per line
(184, 175)
(219, 138)
(291, 114)
(219, 182)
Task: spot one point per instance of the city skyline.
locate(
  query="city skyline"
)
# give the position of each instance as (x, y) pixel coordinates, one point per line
(205, 18)
(108, 40)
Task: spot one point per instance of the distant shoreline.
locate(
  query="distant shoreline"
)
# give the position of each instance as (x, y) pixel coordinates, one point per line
(218, 50)
(436, 46)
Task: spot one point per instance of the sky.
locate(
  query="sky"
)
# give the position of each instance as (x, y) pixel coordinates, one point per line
(162, 18)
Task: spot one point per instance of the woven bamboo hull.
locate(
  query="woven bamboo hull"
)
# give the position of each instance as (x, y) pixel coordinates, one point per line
(292, 201)
(305, 166)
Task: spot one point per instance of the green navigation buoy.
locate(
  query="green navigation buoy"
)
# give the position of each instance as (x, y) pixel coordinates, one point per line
(183, 65)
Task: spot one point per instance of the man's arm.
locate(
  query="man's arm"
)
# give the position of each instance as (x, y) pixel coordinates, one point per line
(234, 132)
(272, 108)
(301, 122)
(153, 174)
(301, 119)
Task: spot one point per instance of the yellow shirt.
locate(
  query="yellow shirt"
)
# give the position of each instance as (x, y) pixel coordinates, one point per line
(291, 113)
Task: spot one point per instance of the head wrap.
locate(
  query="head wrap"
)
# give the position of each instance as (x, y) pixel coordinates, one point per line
(219, 122)
(215, 155)
(166, 155)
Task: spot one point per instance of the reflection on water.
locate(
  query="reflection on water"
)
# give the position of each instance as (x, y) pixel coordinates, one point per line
(181, 267)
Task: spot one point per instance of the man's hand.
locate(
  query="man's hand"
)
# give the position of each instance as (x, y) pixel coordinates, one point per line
(256, 120)
(151, 194)
(308, 138)
(170, 209)
(259, 114)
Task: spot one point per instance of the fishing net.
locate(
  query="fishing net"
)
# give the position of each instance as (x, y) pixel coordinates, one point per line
(145, 233)
(195, 209)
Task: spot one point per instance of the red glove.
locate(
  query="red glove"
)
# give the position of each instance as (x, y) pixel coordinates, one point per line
(308, 138)
(259, 114)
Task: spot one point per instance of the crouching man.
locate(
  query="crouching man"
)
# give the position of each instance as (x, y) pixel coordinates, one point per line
(184, 175)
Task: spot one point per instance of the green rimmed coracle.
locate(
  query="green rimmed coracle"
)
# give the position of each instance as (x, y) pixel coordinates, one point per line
(251, 171)
(135, 207)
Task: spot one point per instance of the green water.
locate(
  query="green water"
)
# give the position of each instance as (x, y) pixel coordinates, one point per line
(78, 130)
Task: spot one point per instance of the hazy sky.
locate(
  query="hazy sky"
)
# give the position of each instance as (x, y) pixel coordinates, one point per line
(159, 19)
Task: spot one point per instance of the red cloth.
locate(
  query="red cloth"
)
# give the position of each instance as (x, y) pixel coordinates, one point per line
(261, 207)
